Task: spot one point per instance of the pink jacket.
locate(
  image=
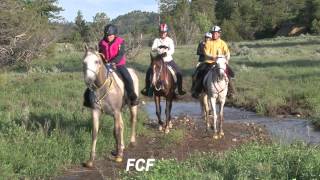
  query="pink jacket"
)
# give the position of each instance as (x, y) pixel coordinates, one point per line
(110, 51)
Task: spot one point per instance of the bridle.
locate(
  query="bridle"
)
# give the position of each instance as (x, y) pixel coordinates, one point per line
(158, 76)
(107, 83)
(215, 83)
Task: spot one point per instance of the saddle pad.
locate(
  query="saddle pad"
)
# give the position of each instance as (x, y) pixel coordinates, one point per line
(173, 73)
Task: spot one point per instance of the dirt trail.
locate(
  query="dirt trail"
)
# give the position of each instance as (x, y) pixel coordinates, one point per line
(195, 139)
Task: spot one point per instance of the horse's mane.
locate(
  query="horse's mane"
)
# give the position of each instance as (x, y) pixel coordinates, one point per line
(91, 50)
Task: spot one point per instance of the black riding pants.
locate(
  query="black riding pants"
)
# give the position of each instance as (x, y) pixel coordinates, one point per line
(199, 74)
(127, 80)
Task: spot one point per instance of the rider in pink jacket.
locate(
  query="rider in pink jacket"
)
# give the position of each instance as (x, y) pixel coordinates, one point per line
(113, 49)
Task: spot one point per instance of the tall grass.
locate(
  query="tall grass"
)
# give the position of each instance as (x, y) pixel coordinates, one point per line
(251, 161)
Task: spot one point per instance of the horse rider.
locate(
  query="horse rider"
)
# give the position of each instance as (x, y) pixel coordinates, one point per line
(200, 52)
(164, 44)
(113, 50)
(214, 48)
(200, 49)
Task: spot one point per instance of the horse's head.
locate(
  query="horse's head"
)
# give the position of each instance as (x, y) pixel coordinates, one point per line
(158, 68)
(221, 65)
(92, 65)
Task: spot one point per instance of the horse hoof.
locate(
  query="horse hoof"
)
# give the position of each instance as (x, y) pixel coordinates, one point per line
(88, 164)
(117, 159)
(133, 144)
(221, 134)
(170, 125)
(160, 128)
(215, 137)
(167, 131)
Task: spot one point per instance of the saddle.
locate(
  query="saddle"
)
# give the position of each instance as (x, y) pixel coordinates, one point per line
(173, 73)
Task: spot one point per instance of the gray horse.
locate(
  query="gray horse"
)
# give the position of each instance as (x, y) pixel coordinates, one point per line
(110, 97)
(216, 88)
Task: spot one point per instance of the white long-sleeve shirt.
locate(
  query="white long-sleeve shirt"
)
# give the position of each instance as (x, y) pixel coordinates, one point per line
(164, 42)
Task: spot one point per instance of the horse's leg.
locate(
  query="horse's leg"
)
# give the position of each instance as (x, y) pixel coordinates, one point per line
(214, 111)
(118, 134)
(133, 119)
(222, 102)
(95, 128)
(168, 114)
(205, 109)
(158, 111)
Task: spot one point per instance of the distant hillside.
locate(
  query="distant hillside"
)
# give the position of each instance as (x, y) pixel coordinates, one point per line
(137, 21)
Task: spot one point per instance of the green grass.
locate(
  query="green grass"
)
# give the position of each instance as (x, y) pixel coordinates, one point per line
(279, 76)
(251, 161)
(174, 137)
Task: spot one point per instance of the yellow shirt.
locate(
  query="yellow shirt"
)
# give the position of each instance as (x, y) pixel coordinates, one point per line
(217, 48)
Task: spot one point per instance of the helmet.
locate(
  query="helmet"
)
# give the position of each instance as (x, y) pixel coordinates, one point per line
(216, 29)
(110, 29)
(163, 28)
(208, 35)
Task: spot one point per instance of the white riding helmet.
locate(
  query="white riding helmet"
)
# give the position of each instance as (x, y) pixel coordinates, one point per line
(216, 29)
(208, 35)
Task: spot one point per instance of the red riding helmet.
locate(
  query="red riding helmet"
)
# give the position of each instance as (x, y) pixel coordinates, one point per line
(163, 28)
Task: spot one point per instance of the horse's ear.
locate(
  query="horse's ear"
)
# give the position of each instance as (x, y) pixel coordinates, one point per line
(86, 48)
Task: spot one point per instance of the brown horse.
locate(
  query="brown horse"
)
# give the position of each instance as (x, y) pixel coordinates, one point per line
(109, 97)
(163, 84)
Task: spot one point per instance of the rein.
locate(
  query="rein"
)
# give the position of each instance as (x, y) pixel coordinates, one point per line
(158, 78)
(215, 83)
(107, 83)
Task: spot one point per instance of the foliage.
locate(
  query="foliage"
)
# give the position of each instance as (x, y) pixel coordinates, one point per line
(245, 19)
(25, 29)
(137, 22)
(315, 27)
(100, 20)
(82, 27)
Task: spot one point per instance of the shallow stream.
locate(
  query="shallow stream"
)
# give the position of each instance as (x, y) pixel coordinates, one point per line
(283, 130)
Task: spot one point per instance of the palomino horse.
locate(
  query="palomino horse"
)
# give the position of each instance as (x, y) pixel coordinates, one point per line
(109, 93)
(216, 88)
(163, 85)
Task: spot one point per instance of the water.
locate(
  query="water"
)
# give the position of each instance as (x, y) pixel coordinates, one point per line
(283, 130)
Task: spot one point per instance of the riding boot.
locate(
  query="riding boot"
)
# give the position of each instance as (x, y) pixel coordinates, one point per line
(147, 91)
(194, 80)
(88, 98)
(231, 89)
(201, 71)
(128, 85)
(179, 82)
(197, 88)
